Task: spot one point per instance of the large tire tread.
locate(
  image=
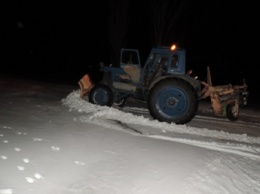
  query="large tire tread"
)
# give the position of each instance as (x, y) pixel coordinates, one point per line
(106, 97)
(193, 103)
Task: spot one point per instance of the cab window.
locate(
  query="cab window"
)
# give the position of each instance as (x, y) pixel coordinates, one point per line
(174, 63)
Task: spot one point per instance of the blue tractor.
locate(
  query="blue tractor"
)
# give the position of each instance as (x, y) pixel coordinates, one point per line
(171, 94)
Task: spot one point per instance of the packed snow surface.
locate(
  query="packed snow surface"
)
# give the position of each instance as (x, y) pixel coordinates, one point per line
(51, 142)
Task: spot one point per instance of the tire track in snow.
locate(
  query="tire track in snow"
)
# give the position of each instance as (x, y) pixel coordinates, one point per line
(238, 149)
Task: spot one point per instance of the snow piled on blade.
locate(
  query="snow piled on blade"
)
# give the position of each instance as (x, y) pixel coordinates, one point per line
(95, 112)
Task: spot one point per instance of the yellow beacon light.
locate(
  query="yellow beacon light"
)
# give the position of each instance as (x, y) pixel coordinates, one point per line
(173, 47)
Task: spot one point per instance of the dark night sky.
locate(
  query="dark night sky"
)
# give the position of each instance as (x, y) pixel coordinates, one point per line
(60, 38)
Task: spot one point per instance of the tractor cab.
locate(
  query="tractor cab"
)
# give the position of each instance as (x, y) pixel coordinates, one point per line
(171, 59)
(163, 61)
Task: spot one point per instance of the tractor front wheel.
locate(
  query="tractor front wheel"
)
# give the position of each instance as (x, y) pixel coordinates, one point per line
(101, 95)
(173, 101)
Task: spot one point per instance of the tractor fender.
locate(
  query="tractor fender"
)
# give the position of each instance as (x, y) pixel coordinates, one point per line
(193, 82)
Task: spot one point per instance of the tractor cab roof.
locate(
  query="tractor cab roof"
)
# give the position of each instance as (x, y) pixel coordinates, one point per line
(165, 49)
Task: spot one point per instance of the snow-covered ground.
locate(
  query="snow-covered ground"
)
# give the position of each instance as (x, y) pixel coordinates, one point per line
(53, 142)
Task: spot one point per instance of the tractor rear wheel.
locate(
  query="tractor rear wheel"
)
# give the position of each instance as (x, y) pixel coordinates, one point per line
(173, 101)
(101, 95)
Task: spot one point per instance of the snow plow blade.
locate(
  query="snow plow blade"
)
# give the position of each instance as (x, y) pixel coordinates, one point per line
(85, 84)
